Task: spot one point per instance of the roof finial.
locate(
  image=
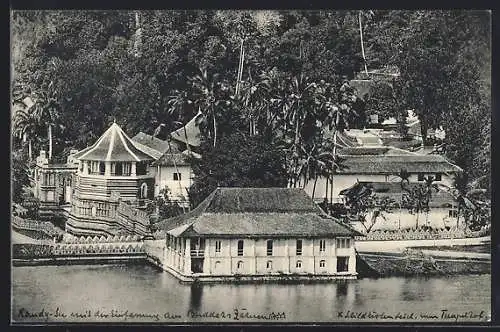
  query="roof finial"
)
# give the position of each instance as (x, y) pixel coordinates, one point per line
(114, 119)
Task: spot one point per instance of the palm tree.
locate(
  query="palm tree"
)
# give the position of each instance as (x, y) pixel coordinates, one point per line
(339, 111)
(404, 175)
(46, 108)
(466, 193)
(429, 186)
(24, 127)
(156, 133)
(273, 94)
(209, 95)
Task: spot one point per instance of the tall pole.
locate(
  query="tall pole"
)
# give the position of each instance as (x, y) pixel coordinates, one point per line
(50, 140)
(240, 68)
(138, 33)
(362, 47)
(333, 168)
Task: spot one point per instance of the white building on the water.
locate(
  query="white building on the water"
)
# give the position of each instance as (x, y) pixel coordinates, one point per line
(258, 233)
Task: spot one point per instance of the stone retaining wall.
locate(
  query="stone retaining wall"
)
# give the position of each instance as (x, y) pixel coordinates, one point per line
(34, 225)
(102, 239)
(33, 251)
(133, 220)
(420, 234)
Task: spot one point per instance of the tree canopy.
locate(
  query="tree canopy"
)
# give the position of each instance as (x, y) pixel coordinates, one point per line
(85, 69)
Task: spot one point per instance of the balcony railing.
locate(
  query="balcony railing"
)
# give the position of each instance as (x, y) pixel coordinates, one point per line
(198, 253)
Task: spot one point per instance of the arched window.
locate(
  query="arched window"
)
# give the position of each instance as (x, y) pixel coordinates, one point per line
(217, 265)
(298, 264)
(269, 265)
(240, 265)
(144, 190)
(322, 263)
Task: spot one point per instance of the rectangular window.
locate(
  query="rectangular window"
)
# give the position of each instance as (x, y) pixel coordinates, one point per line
(322, 263)
(438, 177)
(342, 264)
(299, 248)
(269, 247)
(94, 167)
(177, 176)
(453, 213)
(240, 248)
(116, 169)
(141, 168)
(127, 169)
(217, 246)
(322, 245)
(343, 243)
(102, 167)
(420, 176)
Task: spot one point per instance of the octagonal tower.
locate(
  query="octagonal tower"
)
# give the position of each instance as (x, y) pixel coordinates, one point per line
(112, 169)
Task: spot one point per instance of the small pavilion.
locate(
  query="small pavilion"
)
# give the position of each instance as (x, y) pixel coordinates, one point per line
(113, 169)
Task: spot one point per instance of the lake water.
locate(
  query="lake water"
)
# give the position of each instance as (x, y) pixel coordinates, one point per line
(140, 293)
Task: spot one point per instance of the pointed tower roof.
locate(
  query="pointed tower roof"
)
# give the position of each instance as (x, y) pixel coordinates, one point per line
(113, 145)
(192, 132)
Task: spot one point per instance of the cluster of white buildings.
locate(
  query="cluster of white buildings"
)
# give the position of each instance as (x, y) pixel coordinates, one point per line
(236, 232)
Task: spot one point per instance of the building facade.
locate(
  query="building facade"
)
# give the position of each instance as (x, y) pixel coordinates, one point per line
(258, 234)
(111, 171)
(171, 168)
(174, 175)
(53, 185)
(442, 210)
(379, 164)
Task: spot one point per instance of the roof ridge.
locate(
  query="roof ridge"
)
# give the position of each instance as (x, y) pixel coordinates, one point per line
(124, 139)
(107, 146)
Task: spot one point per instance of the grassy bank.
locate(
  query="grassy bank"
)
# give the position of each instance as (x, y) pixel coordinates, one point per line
(36, 235)
(414, 263)
(482, 248)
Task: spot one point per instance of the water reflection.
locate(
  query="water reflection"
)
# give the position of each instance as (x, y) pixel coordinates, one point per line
(142, 289)
(358, 298)
(342, 288)
(195, 297)
(416, 289)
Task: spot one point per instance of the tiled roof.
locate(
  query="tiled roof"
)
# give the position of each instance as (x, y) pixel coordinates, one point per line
(180, 158)
(373, 150)
(343, 139)
(172, 159)
(249, 212)
(191, 131)
(146, 149)
(363, 87)
(391, 164)
(151, 142)
(113, 145)
(266, 224)
(439, 198)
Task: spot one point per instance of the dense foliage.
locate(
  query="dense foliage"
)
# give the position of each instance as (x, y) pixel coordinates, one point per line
(269, 85)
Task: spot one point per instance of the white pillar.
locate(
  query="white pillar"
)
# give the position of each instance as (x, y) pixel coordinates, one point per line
(187, 256)
(287, 256)
(107, 168)
(352, 258)
(207, 260)
(85, 167)
(133, 169)
(253, 260)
